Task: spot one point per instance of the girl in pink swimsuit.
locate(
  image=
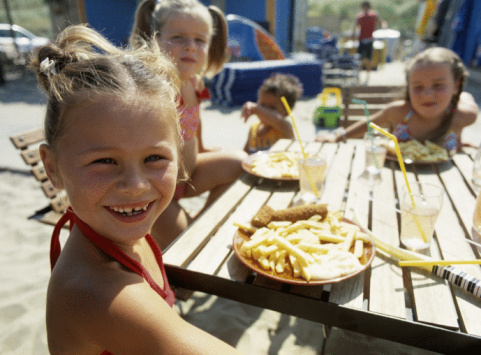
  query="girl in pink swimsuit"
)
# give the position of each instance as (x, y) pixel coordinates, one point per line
(435, 106)
(113, 145)
(195, 36)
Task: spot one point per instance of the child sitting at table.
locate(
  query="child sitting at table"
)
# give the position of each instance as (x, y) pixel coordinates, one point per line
(195, 37)
(113, 144)
(273, 123)
(435, 107)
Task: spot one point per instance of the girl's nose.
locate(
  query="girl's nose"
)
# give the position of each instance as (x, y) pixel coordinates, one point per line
(189, 44)
(134, 181)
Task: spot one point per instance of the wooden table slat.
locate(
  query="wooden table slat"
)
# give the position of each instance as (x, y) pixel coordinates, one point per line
(387, 289)
(220, 244)
(193, 239)
(407, 305)
(350, 293)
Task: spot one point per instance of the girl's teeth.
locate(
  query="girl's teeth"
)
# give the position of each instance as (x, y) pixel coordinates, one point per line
(129, 211)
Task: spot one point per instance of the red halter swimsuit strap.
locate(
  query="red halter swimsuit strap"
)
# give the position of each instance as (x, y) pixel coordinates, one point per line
(112, 250)
(55, 247)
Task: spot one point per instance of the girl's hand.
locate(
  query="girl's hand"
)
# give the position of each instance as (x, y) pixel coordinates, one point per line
(326, 137)
(248, 110)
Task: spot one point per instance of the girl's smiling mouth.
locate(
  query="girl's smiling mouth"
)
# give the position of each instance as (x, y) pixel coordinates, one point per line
(129, 210)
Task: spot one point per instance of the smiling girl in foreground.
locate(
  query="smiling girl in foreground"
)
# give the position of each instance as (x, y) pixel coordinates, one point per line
(196, 38)
(112, 144)
(435, 107)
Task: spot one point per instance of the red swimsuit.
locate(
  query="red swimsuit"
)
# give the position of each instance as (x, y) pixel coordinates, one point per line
(113, 251)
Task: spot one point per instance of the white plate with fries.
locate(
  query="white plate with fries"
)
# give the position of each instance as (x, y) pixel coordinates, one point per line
(330, 275)
(273, 165)
(415, 152)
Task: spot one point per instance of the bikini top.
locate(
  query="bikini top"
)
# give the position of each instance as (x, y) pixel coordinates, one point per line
(403, 134)
(113, 251)
(190, 117)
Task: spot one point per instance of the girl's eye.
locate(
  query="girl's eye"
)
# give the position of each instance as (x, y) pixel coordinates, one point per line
(153, 158)
(104, 161)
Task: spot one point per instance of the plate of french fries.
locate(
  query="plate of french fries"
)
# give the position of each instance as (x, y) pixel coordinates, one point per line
(415, 152)
(273, 165)
(314, 251)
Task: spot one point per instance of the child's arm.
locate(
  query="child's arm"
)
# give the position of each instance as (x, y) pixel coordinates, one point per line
(135, 320)
(268, 117)
(467, 108)
(387, 117)
(200, 144)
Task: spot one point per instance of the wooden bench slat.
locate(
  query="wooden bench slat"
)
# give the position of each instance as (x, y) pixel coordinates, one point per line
(20, 141)
(60, 203)
(39, 173)
(49, 190)
(371, 89)
(31, 156)
(349, 112)
(376, 98)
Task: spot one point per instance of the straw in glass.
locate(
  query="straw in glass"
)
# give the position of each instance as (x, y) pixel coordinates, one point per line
(288, 110)
(403, 169)
(369, 129)
(437, 262)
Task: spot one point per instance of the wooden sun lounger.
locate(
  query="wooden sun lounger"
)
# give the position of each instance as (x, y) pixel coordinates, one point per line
(376, 97)
(28, 143)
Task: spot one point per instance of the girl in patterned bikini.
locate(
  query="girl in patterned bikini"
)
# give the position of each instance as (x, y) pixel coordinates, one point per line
(435, 106)
(113, 144)
(196, 38)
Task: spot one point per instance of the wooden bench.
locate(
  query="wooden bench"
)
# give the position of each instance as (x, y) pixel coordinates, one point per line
(376, 98)
(28, 143)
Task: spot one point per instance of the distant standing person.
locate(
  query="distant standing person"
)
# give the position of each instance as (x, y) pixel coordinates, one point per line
(366, 21)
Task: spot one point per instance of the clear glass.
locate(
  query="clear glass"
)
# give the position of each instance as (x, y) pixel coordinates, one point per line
(477, 221)
(418, 219)
(375, 147)
(476, 179)
(312, 172)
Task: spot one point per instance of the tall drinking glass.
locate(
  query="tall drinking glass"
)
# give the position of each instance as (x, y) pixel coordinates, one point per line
(476, 179)
(477, 221)
(418, 219)
(375, 147)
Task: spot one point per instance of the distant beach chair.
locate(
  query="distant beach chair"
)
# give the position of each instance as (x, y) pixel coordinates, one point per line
(376, 97)
(28, 143)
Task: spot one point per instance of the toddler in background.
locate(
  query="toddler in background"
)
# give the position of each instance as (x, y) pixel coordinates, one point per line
(113, 145)
(435, 106)
(272, 123)
(195, 37)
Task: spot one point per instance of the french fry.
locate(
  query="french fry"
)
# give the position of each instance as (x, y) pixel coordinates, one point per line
(246, 227)
(279, 164)
(310, 249)
(346, 245)
(427, 152)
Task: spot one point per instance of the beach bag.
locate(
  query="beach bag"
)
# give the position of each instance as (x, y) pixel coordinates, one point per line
(328, 115)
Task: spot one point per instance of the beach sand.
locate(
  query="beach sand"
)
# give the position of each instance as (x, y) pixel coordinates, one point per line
(24, 261)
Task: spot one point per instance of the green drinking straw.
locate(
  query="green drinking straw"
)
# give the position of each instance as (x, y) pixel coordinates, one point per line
(369, 129)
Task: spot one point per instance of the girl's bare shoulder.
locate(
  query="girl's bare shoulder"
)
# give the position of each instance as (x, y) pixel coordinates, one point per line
(395, 112)
(100, 304)
(467, 105)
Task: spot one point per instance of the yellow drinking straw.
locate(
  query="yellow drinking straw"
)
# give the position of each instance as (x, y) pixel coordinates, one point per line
(288, 109)
(403, 169)
(437, 262)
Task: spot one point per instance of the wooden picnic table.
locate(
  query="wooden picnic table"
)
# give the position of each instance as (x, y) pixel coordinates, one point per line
(405, 305)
